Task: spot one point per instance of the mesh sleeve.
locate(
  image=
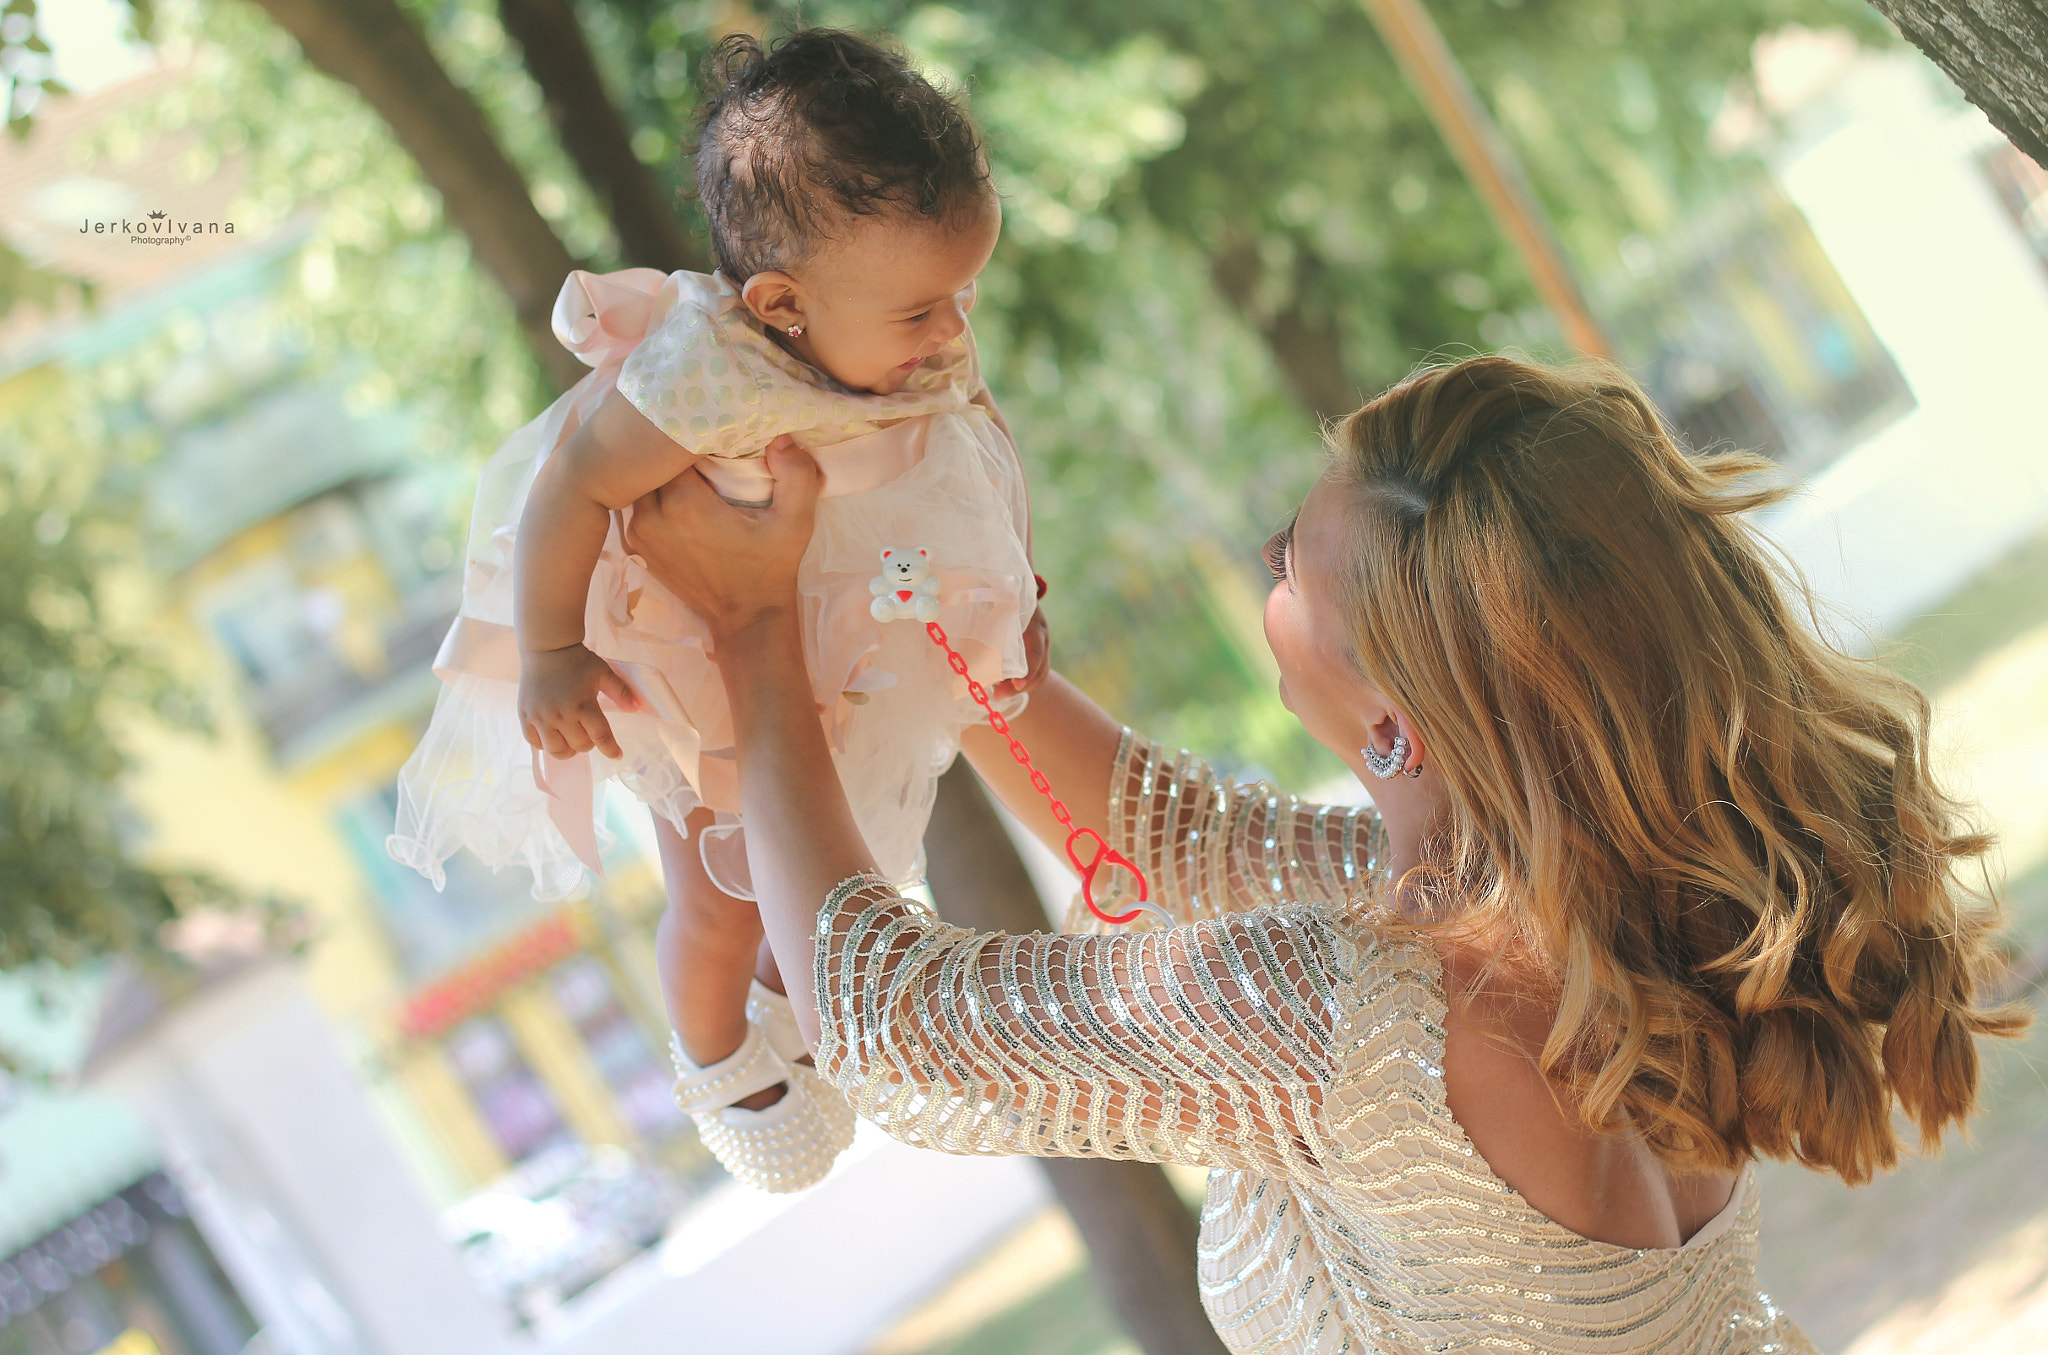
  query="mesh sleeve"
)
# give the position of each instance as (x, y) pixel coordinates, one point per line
(1209, 846)
(1209, 1044)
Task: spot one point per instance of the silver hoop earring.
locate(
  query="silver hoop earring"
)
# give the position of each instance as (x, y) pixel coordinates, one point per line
(1386, 766)
(795, 331)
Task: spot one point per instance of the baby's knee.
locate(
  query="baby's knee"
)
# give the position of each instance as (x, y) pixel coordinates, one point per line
(696, 908)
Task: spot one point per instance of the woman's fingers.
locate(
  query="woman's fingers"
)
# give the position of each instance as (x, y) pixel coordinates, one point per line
(1037, 658)
(730, 563)
(796, 476)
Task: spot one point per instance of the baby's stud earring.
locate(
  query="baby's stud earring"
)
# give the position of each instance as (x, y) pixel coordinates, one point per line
(795, 331)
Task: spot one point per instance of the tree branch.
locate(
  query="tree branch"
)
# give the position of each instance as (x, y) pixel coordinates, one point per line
(1995, 51)
(372, 46)
(593, 133)
(1308, 348)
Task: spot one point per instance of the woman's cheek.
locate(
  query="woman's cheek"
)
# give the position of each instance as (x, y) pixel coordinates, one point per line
(1273, 624)
(1284, 634)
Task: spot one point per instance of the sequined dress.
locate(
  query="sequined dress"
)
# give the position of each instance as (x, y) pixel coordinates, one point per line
(1281, 1041)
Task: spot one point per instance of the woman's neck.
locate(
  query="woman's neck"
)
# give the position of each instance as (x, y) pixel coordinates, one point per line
(1411, 810)
(1417, 816)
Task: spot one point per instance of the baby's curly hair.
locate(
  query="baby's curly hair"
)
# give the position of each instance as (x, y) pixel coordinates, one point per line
(823, 126)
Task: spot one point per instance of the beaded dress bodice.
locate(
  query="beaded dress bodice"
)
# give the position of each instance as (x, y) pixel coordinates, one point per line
(1278, 1038)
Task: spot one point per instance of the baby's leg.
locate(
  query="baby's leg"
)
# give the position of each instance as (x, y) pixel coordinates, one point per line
(707, 946)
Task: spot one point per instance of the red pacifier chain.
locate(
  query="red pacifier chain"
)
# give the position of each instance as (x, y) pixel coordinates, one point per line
(1104, 854)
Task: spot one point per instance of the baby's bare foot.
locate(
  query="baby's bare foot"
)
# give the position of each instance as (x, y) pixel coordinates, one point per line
(764, 1098)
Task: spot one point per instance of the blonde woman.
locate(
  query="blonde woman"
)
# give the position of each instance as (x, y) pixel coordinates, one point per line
(1658, 885)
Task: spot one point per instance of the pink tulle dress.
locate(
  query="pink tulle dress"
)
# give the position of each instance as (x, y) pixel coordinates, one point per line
(926, 468)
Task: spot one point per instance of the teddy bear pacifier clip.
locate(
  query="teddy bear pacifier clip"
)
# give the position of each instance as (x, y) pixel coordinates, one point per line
(906, 590)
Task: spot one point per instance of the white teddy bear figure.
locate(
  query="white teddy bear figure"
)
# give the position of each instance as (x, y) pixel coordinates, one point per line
(905, 587)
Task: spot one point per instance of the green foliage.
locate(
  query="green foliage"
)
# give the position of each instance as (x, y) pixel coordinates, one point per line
(378, 272)
(69, 886)
(25, 65)
(25, 282)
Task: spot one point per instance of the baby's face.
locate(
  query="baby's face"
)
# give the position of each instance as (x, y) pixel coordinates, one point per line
(890, 293)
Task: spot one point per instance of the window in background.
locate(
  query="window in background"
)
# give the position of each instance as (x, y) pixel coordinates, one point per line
(514, 1102)
(1746, 336)
(636, 1072)
(432, 931)
(2022, 186)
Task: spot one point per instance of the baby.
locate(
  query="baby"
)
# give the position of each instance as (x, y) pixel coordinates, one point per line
(850, 212)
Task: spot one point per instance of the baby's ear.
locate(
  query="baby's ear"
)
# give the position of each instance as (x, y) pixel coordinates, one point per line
(773, 299)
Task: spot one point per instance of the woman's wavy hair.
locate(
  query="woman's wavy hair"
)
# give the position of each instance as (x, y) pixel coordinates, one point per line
(1721, 832)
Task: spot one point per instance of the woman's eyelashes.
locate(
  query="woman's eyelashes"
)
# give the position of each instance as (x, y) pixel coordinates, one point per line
(1276, 552)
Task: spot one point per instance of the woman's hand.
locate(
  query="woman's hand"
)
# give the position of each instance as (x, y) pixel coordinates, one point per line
(732, 565)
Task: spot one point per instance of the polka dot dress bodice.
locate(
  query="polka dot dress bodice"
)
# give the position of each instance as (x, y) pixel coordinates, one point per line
(709, 376)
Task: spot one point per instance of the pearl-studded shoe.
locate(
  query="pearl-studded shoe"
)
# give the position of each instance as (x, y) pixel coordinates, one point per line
(780, 1148)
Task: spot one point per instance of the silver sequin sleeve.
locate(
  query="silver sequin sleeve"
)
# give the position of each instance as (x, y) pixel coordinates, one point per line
(1210, 846)
(1210, 1043)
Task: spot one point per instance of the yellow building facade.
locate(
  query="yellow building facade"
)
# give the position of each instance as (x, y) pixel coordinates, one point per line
(315, 649)
(300, 576)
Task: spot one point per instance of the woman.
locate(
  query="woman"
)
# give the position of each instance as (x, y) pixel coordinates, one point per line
(1658, 884)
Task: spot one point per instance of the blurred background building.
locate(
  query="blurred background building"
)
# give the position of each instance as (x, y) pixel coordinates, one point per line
(439, 1121)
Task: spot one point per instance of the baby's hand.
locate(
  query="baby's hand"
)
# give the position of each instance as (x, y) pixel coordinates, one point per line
(1037, 657)
(558, 711)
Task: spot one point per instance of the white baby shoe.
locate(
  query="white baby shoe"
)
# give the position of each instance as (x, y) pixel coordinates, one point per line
(771, 1011)
(780, 1148)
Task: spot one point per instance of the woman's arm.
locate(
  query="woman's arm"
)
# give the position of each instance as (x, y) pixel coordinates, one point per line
(1206, 844)
(1207, 1044)
(1212, 1044)
(1071, 739)
(1209, 844)
(607, 463)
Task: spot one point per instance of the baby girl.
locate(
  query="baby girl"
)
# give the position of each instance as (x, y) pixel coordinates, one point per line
(850, 212)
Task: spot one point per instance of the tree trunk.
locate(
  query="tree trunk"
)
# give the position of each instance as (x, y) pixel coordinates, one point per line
(372, 46)
(1308, 349)
(1997, 53)
(595, 136)
(1140, 1235)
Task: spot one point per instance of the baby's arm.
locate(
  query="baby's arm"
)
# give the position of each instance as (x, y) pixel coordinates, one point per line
(612, 459)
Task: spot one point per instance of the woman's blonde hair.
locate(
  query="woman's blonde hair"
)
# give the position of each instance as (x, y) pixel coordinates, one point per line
(1720, 831)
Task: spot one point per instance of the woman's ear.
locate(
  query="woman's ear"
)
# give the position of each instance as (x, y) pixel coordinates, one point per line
(774, 299)
(1392, 725)
(1417, 751)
